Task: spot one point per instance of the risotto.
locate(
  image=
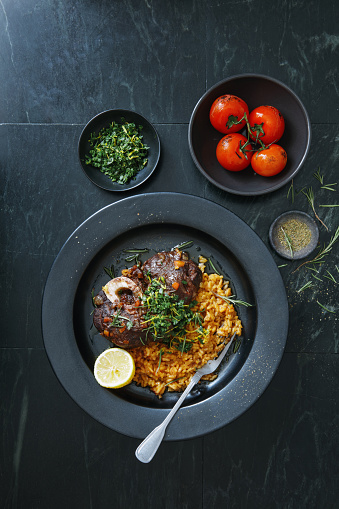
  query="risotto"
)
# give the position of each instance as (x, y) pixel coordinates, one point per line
(161, 367)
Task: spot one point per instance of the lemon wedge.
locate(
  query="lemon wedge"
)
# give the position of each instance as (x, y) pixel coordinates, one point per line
(114, 368)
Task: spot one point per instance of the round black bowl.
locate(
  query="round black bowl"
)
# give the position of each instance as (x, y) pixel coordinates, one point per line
(103, 120)
(284, 251)
(255, 90)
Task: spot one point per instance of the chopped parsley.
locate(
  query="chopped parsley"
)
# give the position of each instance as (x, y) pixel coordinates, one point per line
(167, 317)
(118, 151)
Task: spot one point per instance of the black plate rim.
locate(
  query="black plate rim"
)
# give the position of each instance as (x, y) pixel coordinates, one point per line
(133, 183)
(66, 272)
(229, 189)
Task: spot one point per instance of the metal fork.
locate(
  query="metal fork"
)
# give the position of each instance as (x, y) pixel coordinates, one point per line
(147, 449)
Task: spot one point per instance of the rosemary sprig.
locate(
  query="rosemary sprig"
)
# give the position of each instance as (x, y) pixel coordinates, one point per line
(307, 285)
(330, 277)
(232, 300)
(288, 241)
(175, 380)
(132, 258)
(213, 267)
(320, 177)
(160, 356)
(236, 345)
(291, 191)
(116, 321)
(324, 307)
(110, 271)
(145, 250)
(310, 198)
(319, 258)
(189, 243)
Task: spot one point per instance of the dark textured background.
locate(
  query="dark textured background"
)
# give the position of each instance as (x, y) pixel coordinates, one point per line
(62, 62)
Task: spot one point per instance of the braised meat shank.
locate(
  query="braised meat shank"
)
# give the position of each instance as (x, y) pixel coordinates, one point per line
(182, 275)
(118, 314)
(120, 322)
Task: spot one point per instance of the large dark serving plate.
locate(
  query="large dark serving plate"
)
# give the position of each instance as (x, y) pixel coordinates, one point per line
(159, 222)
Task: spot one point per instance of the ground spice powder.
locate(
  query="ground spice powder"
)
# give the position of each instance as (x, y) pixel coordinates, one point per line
(297, 232)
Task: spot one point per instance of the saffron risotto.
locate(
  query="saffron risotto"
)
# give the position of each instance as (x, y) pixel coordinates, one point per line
(175, 370)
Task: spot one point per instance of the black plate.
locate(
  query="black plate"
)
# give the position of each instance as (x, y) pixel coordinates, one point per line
(160, 221)
(255, 90)
(103, 120)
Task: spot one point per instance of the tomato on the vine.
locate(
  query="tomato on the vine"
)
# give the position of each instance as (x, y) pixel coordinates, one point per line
(233, 152)
(225, 111)
(270, 161)
(266, 124)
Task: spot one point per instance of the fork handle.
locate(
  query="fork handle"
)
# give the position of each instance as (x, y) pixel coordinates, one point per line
(147, 449)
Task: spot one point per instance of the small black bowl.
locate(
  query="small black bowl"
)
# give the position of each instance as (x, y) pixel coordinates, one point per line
(255, 90)
(279, 222)
(103, 120)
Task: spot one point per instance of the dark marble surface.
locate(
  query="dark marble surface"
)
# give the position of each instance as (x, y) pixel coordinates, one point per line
(61, 63)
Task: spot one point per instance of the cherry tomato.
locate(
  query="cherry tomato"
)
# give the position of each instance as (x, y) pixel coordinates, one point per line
(267, 124)
(270, 161)
(226, 110)
(230, 153)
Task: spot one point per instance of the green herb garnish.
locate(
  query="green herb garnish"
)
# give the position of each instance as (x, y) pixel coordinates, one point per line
(236, 345)
(117, 321)
(135, 256)
(326, 309)
(232, 300)
(175, 380)
(118, 151)
(160, 356)
(288, 241)
(330, 277)
(310, 198)
(320, 177)
(213, 267)
(291, 191)
(189, 243)
(307, 285)
(167, 317)
(144, 250)
(319, 258)
(132, 258)
(312, 268)
(110, 271)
